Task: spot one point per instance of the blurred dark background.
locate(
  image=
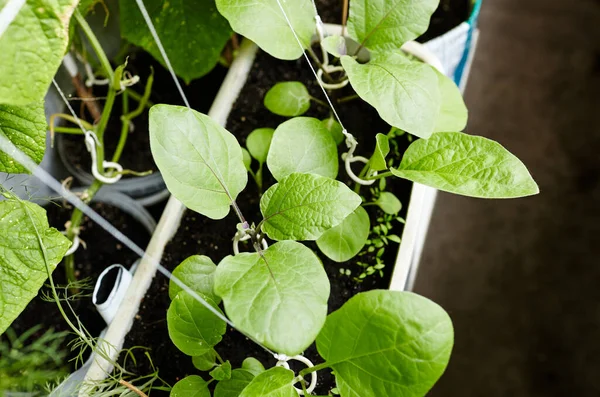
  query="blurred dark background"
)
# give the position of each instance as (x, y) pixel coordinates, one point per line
(521, 278)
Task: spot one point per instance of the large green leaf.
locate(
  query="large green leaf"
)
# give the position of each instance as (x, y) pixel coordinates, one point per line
(263, 22)
(200, 161)
(233, 387)
(289, 98)
(387, 24)
(192, 32)
(197, 273)
(302, 144)
(193, 328)
(404, 92)
(344, 241)
(276, 382)
(25, 126)
(28, 244)
(303, 206)
(387, 343)
(468, 165)
(453, 113)
(191, 386)
(278, 297)
(32, 48)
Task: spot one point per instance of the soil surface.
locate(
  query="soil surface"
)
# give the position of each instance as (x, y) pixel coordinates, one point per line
(200, 235)
(102, 251)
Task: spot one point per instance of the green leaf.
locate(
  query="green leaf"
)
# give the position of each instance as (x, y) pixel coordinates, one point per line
(304, 206)
(279, 297)
(344, 241)
(233, 387)
(290, 98)
(382, 149)
(404, 92)
(222, 372)
(468, 165)
(192, 32)
(335, 45)
(253, 366)
(26, 236)
(259, 142)
(453, 112)
(387, 24)
(389, 203)
(200, 161)
(32, 48)
(206, 361)
(191, 386)
(25, 126)
(387, 343)
(247, 159)
(276, 382)
(263, 22)
(302, 144)
(335, 129)
(193, 328)
(196, 272)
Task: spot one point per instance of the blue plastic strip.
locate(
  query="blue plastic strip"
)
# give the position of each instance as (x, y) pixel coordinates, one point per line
(460, 68)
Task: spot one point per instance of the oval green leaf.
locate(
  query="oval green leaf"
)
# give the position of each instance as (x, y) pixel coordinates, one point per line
(263, 22)
(253, 366)
(193, 33)
(389, 203)
(302, 144)
(259, 142)
(234, 386)
(290, 99)
(25, 126)
(387, 343)
(200, 161)
(404, 92)
(304, 206)
(197, 273)
(387, 24)
(190, 386)
(453, 111)
(276, 382)
(193, 328)
(279, 297)
(344, 241)
(382, 149)
(205, 362)
(464, 164)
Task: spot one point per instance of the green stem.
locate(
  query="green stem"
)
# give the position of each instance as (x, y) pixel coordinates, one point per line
(348, 98)
(94, 43)
(319, 64)
(379, 176)
(317, 367)
(138, 97)
(363, 172)
(124, 129)
(68, 130)
(218, 357)
(320, 102)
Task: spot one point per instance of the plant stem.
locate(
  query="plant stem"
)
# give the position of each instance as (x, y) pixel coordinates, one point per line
(138, 97)
(124, 129)
(320, 102)
(68, 130)
(132, 388)
(317, 367)
(319, 64)
(344, 16)
(94, 43)
(348, 98)
(218, 357)
(379, 176)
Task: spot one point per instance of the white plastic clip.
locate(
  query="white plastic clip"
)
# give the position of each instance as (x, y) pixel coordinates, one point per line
(91, 140)
(74, 246)
(243, 236)
(282, 361)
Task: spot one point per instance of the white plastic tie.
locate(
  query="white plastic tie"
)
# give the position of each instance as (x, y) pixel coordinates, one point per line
(91, 140)
(108, 304)
(74, 246)
(243, 236)
(282, 361)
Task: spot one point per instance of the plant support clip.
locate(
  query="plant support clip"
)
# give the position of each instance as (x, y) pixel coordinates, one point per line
(91, 141)
(282, 361)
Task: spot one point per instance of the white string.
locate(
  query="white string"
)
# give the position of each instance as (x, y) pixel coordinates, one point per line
(144, 12)
(64, 98)
(8, 14)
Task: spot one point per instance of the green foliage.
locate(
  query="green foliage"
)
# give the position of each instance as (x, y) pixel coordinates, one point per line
(386, 343)
(192, 32)
(193, 328)
(453, 112)
(386, 25)
(263, 22)
(275, 382)
(389, 203)
(382, 149)
(28, 246)
(191, 386)
(32, 48)
(27, 363)
(304, 206)
(205, 177)
(222, 372)
(278, 297)
(233, 387)
(25, 127)
(404, 92)
(206, 361)
(335, 45)
(468, 165)
(302, 144)
(259, 142)
(344, 241)
(290, 98)
(335, 129)
(197, 273)
(253, 366)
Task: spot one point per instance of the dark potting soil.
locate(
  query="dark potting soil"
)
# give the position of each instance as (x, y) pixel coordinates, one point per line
(102, 251)
(136, 154)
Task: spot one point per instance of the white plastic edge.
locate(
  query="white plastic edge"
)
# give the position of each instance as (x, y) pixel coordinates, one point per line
(108, 308)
